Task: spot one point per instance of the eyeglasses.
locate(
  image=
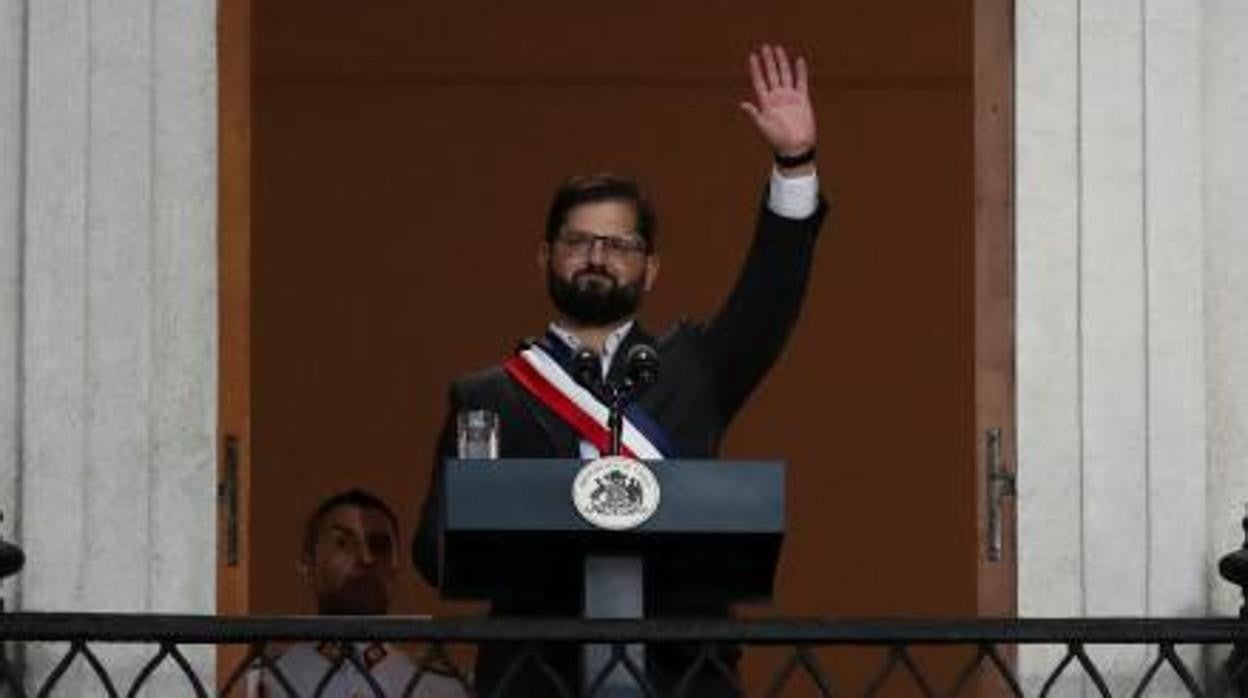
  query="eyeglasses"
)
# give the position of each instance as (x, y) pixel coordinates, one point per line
(581, 243)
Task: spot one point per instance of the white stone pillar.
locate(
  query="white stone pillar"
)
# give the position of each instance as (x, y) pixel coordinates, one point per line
(108, 315)
(1174, 234)
(1048, 341)
(1226, 267)
(1111, 323)
(184, 323)
(12, 65)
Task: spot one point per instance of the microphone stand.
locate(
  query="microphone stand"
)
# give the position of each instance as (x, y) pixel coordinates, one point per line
(643, 368)
(614, 584)
(616, 395)
(620, 395)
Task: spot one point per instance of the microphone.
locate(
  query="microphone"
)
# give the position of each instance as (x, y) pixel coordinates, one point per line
(587, 368)
(643, 366)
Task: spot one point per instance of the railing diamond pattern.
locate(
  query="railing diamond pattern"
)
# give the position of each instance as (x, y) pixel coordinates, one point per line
(808, 651)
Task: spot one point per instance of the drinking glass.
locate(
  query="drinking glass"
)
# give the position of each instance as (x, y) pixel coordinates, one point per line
(478, 434)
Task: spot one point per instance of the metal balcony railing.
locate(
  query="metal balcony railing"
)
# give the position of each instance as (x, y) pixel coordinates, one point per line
(90, 654)
(72, 654)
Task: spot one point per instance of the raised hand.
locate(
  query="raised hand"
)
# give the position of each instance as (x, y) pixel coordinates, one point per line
(782, 110)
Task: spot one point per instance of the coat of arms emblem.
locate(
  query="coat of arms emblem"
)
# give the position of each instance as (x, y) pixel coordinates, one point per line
(615, 492)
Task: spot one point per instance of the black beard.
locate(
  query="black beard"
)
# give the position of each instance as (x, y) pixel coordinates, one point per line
(594, 303)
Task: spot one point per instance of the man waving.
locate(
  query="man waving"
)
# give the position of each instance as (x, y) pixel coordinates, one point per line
(599, 256)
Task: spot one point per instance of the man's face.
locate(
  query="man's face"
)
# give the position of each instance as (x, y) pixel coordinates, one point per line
(597, 269)
(353, 563)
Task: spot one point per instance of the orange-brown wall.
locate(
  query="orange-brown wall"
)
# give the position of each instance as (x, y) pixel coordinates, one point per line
(404, 154)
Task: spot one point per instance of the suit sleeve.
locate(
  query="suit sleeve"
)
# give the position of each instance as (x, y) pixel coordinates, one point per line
(746, 336)
(425, 544)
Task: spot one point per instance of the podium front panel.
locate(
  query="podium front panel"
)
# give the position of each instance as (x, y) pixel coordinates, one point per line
(510, 529)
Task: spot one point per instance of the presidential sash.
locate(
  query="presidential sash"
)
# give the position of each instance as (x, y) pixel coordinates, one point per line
(538, 372)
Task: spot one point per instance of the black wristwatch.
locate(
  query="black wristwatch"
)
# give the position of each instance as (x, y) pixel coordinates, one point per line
(788, 161)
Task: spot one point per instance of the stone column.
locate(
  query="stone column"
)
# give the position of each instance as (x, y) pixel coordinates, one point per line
(1226, 269)
(1112, 328)
(108, 302)
(12, 63)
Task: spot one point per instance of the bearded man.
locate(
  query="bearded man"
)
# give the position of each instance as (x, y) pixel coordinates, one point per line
(600, 259)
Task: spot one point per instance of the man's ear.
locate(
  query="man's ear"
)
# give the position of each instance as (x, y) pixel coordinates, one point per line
(652, 270)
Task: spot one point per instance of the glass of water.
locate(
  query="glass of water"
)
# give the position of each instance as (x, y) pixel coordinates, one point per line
(478, 434)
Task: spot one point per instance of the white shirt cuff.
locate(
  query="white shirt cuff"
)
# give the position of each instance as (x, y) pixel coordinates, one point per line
(793, 197)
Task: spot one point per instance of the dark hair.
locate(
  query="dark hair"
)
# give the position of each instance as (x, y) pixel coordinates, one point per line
(584, 189)
(354, 497)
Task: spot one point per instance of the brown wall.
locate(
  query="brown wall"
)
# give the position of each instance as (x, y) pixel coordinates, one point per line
(403, 157)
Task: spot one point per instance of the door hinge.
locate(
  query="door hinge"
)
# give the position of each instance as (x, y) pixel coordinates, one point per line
(1001, 484)
(227, 500)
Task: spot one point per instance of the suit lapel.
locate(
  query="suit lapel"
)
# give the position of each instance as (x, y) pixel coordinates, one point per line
(562, 439)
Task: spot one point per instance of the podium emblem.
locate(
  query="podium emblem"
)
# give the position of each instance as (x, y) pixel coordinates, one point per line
(615, 493)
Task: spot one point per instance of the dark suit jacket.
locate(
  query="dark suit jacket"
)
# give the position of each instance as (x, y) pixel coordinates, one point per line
(707, 371)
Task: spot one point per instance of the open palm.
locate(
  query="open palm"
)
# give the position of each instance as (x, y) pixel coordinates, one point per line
(782, 109)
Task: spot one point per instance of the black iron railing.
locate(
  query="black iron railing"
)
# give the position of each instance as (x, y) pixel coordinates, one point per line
(77, 654)
(74, 654)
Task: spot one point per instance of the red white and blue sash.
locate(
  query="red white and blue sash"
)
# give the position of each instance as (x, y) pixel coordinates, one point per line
(537, 371)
